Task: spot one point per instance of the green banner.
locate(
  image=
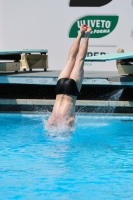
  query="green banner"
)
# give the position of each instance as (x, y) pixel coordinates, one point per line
(101, 25)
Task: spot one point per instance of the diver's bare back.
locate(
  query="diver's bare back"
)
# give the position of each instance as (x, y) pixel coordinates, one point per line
(63, 111)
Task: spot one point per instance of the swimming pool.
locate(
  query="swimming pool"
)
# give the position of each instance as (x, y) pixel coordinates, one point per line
(95, 162)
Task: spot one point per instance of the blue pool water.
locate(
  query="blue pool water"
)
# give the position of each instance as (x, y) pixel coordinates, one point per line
(95, 162)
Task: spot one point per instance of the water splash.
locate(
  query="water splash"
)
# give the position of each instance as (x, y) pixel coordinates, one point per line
(63, 131)
(115, 97)
(59, 131)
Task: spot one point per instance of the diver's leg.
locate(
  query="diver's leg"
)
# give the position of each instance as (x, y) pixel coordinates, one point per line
(78, 71)
(65, 73)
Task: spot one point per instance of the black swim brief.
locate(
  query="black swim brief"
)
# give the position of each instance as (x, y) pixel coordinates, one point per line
(66, 86)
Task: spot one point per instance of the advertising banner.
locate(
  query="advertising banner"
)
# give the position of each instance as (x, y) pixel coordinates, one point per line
(54, 25)
(101, 25)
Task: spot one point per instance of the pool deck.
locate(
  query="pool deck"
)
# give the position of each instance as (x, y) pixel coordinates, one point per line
(105, 78)
(50, 102)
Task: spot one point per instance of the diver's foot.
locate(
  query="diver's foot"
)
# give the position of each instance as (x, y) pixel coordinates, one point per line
(88, 31)
(83, 28)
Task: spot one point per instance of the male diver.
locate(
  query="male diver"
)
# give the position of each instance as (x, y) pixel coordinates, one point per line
(69, 82)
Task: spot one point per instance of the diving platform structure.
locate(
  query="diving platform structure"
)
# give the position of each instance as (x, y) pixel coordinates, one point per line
(124, 61)
(32, 88)
(25, 59)
(109, 57)
(49, 78)
(29, 59)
